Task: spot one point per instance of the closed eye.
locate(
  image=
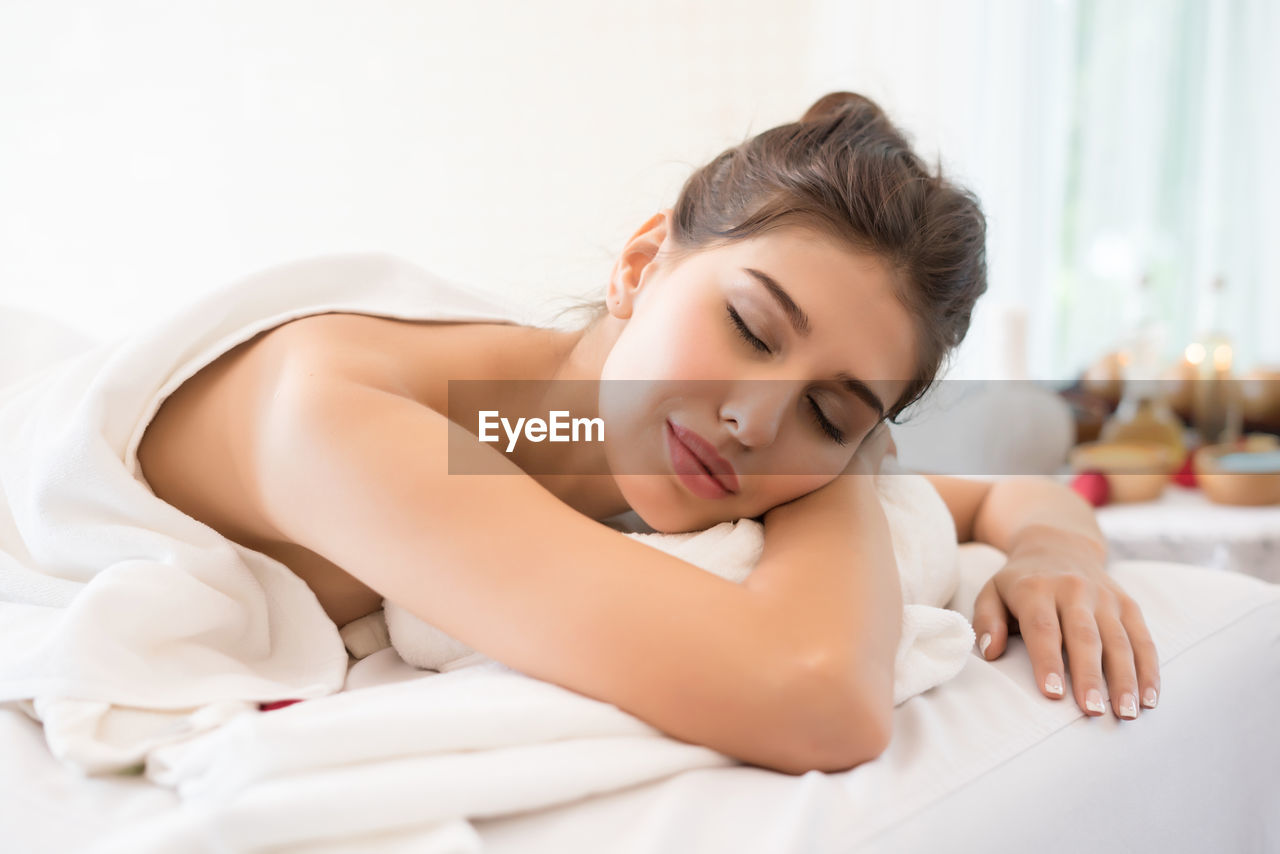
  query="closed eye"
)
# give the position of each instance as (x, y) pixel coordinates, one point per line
(830, 429)
(833, 432)
(745, 332)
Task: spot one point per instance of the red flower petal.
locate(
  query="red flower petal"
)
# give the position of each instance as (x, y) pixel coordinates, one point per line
(278, 704)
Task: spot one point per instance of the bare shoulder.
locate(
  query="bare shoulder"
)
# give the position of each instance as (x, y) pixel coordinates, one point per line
(194, 453)
(374, 350)
(410, 358)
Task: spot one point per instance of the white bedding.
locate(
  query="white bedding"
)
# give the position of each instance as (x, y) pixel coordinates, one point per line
(982, 763)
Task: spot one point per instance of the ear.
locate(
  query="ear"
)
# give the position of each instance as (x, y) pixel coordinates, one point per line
(635, 262)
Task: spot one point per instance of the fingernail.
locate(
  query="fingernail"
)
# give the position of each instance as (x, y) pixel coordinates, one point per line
(1053, 684)
(1093, 701)
(1128, 706)
(1149, 698)
(984, 643)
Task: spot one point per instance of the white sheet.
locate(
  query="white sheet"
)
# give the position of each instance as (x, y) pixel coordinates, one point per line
(986, 764)
(983, 763)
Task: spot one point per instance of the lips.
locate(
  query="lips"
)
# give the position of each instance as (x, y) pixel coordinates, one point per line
(720, 468)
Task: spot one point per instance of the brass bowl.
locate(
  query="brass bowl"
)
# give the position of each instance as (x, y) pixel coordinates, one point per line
(1245, 473)
(1135, 471)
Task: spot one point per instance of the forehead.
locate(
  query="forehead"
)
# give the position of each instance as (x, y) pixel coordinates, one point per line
(849, 296)
(817, 264)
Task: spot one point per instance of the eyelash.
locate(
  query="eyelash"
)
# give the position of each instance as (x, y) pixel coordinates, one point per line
(826, 426)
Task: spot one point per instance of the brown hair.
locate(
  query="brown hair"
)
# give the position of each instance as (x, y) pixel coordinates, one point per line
(846, 170)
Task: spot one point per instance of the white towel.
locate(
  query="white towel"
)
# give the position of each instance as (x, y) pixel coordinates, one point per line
(418, 754)
(935, 641)
(124, 623)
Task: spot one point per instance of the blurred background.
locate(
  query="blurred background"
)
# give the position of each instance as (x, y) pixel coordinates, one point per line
(1124, 151)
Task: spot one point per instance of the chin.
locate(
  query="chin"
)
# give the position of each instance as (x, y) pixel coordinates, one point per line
(667, 518)
(660, 527)
(664, 506)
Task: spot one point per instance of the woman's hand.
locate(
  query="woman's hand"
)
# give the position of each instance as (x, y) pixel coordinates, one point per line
(1056, 584)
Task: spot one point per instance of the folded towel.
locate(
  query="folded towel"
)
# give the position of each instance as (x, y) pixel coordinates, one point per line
(935, 641)
(124, 623)
(418, 756)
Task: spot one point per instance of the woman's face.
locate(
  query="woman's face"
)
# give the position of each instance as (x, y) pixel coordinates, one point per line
(683, 356)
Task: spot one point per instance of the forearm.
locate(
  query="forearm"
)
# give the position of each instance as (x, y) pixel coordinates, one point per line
(1027, 513)
(828, 563)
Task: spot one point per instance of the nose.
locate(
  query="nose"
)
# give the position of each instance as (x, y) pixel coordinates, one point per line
(754, 412)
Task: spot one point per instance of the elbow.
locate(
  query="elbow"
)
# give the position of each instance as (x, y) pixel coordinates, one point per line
(868, 739)
(873, 741)
(841, 726)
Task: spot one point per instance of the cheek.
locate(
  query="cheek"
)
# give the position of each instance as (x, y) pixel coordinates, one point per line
(674, 342)
(649, 348)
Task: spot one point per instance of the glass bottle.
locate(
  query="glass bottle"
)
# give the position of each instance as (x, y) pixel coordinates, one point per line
(1144, 414)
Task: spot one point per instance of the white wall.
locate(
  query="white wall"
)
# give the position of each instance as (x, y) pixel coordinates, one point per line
(152, 151)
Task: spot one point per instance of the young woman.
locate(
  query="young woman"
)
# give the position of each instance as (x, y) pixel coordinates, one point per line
(755, 338)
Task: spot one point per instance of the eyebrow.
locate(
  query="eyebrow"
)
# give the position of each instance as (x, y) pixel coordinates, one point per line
(800, 323)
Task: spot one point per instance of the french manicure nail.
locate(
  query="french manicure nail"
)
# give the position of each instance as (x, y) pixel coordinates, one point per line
(1053, 684)
(1149, 698)
(1128, 706)
(1093, 701)
(984, 643)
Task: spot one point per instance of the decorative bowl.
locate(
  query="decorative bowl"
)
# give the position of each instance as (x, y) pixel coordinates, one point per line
(1135, 471)
(1245, 472)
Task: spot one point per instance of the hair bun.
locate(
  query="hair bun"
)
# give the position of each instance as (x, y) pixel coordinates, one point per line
(836, 104)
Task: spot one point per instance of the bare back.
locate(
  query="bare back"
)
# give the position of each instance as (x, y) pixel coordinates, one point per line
(192, 452)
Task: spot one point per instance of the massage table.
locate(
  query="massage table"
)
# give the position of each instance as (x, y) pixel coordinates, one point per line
(983, 763)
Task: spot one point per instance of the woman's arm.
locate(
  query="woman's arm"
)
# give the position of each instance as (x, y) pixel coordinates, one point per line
(1056, 588)
(1006, 512)
(829, 553)
(361, 476)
